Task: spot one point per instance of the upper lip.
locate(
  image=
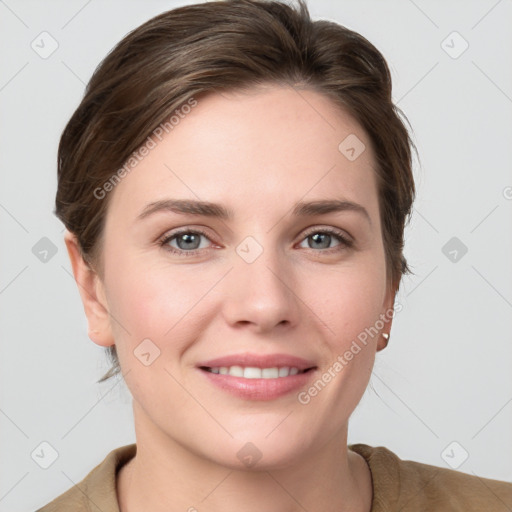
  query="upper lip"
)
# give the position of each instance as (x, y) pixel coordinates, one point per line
(259, 361)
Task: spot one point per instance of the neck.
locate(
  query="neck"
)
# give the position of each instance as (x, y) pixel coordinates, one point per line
(166, 476)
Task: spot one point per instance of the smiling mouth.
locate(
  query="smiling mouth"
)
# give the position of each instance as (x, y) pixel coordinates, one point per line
(252, 372)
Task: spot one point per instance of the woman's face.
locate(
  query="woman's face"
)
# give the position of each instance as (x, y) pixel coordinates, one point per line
(279, 281)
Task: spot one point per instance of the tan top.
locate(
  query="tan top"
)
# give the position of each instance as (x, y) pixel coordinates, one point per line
(398, 485)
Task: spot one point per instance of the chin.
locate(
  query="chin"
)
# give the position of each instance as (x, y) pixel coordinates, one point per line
(258, 451)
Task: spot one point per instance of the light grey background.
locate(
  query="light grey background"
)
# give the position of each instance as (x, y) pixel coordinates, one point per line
(446, 375)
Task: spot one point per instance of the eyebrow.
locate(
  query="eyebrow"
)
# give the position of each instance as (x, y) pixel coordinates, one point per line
(214, 210)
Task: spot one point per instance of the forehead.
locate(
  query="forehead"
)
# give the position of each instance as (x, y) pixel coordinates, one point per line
(272, 143)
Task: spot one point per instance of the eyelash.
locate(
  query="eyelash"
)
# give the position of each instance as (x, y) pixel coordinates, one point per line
(345, 242)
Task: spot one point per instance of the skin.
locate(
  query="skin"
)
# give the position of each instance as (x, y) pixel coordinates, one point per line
(257, 153)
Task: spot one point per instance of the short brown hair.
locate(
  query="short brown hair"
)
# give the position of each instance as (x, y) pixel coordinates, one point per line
(221, 46)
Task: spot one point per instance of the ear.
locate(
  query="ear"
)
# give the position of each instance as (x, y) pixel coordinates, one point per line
(92, 293)
(388, 311)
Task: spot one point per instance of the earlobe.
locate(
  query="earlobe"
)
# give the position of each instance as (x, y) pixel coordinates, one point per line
(91, 291)
(383, 341)
(389, 302)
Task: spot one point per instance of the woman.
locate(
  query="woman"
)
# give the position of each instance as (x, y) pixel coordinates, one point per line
(235, 186)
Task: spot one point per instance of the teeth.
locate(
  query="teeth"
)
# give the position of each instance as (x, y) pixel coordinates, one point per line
(251, 372)
(284, 371)
(269, 373)
(236, 371)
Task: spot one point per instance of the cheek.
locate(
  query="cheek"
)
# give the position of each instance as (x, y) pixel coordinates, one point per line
(156, 302)
(348, 299)
(358, 323)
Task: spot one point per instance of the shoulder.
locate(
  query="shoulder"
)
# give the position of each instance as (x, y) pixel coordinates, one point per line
(97, 491)
(406, 485)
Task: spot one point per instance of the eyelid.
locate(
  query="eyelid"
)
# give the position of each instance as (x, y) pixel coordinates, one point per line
(331, 230)
(170, 235)
(346, 240)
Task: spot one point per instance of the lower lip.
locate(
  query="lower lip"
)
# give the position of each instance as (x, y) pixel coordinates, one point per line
(259, 389)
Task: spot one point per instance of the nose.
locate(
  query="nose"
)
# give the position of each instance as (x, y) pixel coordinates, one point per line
(260, 294)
